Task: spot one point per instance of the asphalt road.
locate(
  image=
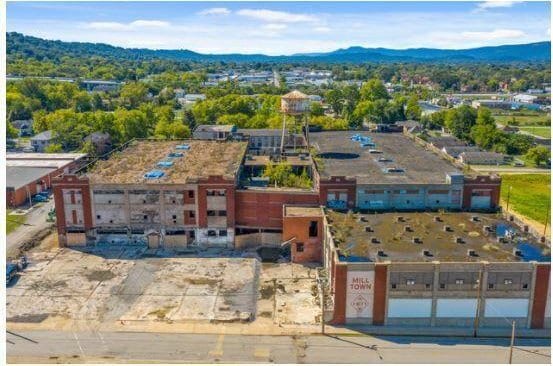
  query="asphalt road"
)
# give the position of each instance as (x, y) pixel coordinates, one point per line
(94, 347)
(36, 222)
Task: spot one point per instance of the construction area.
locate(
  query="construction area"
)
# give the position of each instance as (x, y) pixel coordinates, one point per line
(113, 285)
(432, 236)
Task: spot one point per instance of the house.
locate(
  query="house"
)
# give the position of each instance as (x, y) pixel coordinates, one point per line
(442, 141)
(481, 158)
(213, 132)
(191, 98)
(455, 151)
(41, 141)
(179, 93)
(492, 103)
(524, 98)
(315, 98)
(101, 142)
(25, 126)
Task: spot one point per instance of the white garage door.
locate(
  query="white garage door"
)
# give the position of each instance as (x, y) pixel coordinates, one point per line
(409, 308)
(456, 308)
(480, 202)
(506, 308)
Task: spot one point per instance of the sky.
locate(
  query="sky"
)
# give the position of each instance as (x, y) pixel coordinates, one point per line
(283, 28)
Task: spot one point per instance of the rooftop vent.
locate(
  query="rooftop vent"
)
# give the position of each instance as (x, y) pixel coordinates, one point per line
(175, 155)
(381, 253)
(395, 170)
(517, 252)
(502, 239)
(369, 229)
(154, 174)
(427, 253)
(384, 159)
(374, 151)
(375, 240)
(183, 147)
(472, 253)
(459, 240)
(416, 240)
(474, 219)
(400, 219)
(165, 164)
(437, 219)
(362, 219)
(447, 228)
(407, 229)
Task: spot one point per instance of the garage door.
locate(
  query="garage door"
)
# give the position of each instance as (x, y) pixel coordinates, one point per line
(480, 202)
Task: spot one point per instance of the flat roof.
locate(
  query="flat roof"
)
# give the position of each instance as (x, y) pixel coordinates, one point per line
(39, 163)
(19, 176)
(343, 157)
(302, 211)
(264, 160)
(353, 239)
(202, 159)
(44, 156)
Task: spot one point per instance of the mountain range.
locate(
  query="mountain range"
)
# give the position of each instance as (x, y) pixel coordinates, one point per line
(28, 46)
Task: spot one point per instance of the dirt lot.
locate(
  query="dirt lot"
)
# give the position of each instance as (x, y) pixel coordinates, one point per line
(110, 285)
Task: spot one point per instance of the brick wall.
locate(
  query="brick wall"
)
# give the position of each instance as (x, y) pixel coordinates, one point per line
(337, 184)
(491, 183)
(543, 273)
(298, 227)
(215, 183)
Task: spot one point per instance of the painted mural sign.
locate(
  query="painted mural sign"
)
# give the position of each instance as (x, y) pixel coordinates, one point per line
(360, 294)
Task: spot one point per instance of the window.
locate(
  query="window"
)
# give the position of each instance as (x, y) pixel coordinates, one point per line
(410, 282)
(313, 229)
(299, 247)
(109, 201)
(222, 192)
(210, 213)
(508, 281)
(192, 234)
(192, 214)
(211, 233)
(427, 285)
(174, 217)
(174, 201)
(408, 202)
(437, 201)
(145, 217)
(222, 213)
(98, 217)
(525, 286)
(394, 285)
(459, 281)
(222, 233)
(490, 286)
(442, 286)
(190, 194)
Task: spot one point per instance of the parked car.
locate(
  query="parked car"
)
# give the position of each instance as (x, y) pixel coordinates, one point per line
(11, 272)
(40, 198)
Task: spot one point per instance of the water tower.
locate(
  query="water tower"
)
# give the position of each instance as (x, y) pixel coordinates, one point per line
(294, 104)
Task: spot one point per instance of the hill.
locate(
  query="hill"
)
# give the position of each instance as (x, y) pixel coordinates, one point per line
(22, 46)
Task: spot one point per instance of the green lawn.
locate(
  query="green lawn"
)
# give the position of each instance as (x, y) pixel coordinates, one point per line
(530, 194)
(542, 131)
(13, 221)
(528, 118)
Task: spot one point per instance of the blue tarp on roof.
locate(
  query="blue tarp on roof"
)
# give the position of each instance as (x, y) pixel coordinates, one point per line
(154, 174)
(165, 164)
(175, 155)
(183, 147)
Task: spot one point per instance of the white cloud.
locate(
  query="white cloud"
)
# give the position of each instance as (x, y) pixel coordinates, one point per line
(276, 16)
(215, 11)
(322, 29)
(135, 25)
(275, 26)
(496, 4)
(493, 35)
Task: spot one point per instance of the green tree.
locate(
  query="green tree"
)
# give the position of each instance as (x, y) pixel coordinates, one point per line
(459, 121)
(53, 148)
(133, 94)
(413, 109)
(316, 110)
(538, 154)
(374, 90)
(11, 132)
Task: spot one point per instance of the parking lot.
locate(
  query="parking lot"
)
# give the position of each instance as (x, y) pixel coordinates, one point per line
(115, 284)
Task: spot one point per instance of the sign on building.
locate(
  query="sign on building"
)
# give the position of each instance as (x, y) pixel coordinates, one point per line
(360, 294)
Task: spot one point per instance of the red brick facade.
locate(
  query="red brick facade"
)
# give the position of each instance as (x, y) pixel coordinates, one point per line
(263, 209)
(304, 248)
(339, 285)
(543, 274)
(337, 184)
(216, 183)
(489, 185)
(379, 306)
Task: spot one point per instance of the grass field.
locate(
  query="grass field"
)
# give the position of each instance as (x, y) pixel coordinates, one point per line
(542, 131)
(13, 221)
(540, 119)
(530, 194)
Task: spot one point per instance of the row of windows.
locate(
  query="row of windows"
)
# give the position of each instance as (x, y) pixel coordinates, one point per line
(216, 213)
(213, 233)
(412, 282)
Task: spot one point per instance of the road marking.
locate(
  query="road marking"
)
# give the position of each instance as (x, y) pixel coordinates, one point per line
(263, 353)
(79, 344)
(218, 351)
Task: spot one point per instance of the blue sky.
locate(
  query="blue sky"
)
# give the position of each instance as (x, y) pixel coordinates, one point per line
(285, 27)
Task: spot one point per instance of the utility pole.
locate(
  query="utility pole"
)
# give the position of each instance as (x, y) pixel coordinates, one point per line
(477, 315)
(512, 343)
(508, 197)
